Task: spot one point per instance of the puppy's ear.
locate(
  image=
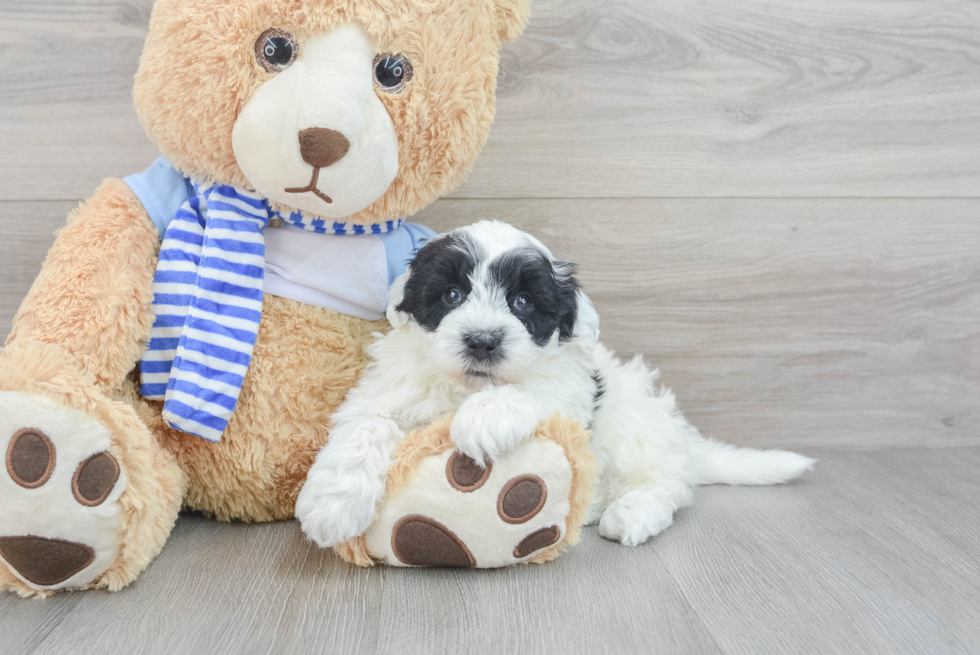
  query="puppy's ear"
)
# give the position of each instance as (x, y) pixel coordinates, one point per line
(579, 318)
(396, 294)
(512, 17)
(586, 320)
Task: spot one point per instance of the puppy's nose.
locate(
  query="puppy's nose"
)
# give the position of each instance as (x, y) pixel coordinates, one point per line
(482, 346)
(321, 147)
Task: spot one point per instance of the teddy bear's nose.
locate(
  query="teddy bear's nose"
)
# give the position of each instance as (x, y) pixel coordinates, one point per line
(321, 147)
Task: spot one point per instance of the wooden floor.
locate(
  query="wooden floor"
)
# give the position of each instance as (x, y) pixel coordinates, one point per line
(875, 552)
(776, 201)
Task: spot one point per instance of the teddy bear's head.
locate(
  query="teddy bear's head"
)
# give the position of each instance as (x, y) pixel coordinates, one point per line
(360, 110)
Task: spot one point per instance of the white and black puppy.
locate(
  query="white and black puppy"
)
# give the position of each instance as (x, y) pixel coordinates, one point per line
(490, 327)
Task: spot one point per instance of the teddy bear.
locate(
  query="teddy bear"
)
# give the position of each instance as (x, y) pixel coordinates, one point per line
(194, 326)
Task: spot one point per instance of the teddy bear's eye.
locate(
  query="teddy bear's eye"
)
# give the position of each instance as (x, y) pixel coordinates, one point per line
(276, 50)
(392, 72)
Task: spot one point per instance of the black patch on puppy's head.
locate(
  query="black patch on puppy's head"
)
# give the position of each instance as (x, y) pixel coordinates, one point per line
(439, 266)
(550, 286)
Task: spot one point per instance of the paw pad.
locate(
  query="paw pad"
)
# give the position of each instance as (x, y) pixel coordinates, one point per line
(464, 474)
(420, 541)
(537, 540)
(45, 562)
(521, 499)
(94, 479)
(30, 458)
(457, 513)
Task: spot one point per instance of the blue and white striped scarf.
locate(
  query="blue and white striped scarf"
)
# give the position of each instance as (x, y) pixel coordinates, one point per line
(207, 302)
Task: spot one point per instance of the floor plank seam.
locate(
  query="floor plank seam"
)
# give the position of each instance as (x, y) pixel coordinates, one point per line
(690, 605)
(381, 607)
(56, 624)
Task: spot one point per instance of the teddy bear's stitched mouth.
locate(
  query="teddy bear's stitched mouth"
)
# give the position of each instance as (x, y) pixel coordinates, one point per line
(311, 187)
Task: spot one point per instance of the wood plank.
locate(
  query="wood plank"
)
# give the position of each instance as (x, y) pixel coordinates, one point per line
(26, 624)
(28, 234)
(221, 588)
(873, 552)
(755, 98)
(943, 485)
(67, 118)
(811, 568)
(764, 98)
(597, 598)
(789, 323)
(927, 528)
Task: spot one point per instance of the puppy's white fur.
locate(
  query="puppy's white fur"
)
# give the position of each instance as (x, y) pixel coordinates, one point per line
(649, 458)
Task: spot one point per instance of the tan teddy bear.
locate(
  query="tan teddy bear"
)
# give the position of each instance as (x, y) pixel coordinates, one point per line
(194, 326)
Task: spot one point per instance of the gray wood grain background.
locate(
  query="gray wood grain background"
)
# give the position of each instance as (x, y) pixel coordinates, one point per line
(621, 98)
(776, 201)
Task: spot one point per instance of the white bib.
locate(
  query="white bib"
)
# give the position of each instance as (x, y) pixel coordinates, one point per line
(348, 274)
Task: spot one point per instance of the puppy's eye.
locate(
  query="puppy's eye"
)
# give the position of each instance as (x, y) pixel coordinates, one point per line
(521, 304)
(392, 72)
(455, 297)
(276, 50)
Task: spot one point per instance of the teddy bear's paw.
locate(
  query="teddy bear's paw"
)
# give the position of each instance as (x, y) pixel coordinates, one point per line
(60, 515)
(454, 512)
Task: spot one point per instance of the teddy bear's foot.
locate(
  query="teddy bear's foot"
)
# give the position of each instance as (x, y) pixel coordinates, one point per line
(454, 513)
(88, 495)
(60, 516)
(442, 509)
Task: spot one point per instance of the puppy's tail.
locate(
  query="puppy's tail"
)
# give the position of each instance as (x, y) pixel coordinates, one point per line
(720, 463)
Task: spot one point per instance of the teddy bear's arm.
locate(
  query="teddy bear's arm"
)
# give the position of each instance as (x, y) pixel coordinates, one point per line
(94, 292)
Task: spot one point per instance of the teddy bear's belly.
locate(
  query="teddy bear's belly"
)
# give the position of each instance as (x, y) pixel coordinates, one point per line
(305, 360)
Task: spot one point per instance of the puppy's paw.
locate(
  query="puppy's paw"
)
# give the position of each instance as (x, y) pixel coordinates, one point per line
(636, 516)
(333, 509)
(491, 424)
(345, 485)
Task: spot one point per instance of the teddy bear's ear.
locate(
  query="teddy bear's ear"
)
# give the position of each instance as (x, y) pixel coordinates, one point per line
(512, 17)
(395, 296)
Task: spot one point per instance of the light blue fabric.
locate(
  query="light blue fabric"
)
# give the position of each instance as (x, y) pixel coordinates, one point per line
(401, 246)
(163, 191)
